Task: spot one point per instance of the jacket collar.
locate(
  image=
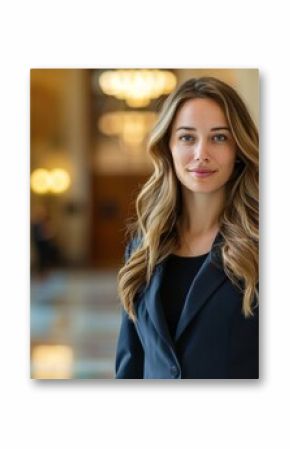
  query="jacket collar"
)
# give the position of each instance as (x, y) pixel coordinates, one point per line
(208, 279)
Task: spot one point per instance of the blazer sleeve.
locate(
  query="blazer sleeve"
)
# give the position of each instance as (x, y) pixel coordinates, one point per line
(129, 353)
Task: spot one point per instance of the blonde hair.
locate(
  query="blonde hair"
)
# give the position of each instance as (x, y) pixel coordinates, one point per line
(159, 205)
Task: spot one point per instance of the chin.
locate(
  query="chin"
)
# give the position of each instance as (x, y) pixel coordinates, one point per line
(203, 187)
(200, 190)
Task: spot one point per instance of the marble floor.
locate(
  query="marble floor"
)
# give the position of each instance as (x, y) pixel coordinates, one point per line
(75, 320)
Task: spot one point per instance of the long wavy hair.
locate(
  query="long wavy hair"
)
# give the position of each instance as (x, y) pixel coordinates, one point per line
(159, 203)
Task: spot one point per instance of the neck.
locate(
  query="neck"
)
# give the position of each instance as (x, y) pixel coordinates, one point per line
(201, 212)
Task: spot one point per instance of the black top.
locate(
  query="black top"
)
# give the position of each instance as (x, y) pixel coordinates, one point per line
(178, 276)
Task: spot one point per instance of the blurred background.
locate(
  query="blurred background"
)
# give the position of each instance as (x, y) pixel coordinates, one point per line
(88, 163)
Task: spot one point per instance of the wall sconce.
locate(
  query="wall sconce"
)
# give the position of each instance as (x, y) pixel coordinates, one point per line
(132, 127)
(54, 181)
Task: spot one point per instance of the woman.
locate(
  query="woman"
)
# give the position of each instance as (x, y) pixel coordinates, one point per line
(189, 286)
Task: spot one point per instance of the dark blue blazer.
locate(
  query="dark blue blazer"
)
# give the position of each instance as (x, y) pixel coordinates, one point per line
(213, 339)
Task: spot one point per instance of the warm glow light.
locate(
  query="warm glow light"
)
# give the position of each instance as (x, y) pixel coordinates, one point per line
(52, 362)
(50, 181)
(40, 181)
(59, 180)
(137, 87)
(131, 127)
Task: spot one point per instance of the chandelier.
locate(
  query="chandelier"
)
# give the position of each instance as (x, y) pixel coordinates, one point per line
(137, 86)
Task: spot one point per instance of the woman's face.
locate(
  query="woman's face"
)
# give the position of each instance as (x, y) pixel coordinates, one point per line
(201, 138)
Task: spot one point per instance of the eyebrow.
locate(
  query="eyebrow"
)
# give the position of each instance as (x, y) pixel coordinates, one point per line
(190, 128)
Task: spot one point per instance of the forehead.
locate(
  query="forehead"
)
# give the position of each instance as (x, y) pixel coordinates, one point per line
(199, 111)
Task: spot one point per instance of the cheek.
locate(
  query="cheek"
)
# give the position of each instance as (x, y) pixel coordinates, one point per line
(180, 155)
(226, 158)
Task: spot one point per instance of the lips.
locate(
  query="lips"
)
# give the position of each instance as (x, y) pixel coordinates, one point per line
(201, 170)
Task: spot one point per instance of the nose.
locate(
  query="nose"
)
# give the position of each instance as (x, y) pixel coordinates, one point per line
(201, 150)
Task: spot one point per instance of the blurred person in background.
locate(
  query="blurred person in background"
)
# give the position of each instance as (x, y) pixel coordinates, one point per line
(43, 237)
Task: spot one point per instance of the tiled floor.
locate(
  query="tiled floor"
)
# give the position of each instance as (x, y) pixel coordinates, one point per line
(75, 320)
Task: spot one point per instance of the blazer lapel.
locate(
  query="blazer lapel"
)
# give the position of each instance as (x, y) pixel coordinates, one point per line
(210, 276)
(208, 279)
(154, 306)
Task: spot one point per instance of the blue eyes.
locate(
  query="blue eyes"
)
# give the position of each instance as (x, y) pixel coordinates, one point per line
(185, 136)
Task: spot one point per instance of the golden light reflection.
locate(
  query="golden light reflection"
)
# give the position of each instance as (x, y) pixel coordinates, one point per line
(59, 180)
(54, 181)
(131, 127)
(137, 87)
(40, 181)
(52, 362)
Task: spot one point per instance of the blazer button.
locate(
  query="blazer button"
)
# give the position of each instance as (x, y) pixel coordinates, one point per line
(174, 371)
